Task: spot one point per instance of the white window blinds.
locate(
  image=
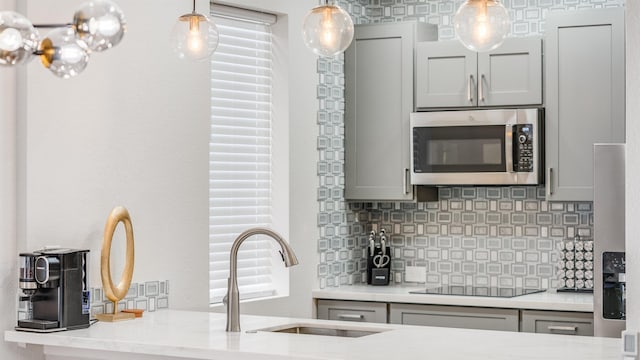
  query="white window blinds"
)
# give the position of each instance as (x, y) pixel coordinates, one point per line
(240, 156)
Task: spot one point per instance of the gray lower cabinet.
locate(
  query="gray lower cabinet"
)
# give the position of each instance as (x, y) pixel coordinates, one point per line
(455, 316)
(557, 322)
(360, 311)
(378, 72)
(450, 75)
(466, 317)
(585, 96)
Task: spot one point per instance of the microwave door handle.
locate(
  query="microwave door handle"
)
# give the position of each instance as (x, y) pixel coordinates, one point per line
(508, 147)
(405, 186)
(469, 89)
(481, 89)
(549, 182)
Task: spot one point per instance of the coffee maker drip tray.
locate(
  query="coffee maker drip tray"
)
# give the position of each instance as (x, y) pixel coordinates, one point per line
(486, 291)
(36, 325)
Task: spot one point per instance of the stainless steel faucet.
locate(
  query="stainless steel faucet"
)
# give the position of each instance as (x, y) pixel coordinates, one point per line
(232, 299)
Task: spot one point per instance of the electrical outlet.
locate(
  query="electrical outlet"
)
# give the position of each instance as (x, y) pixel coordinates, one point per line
(415, 274)
(630, 345)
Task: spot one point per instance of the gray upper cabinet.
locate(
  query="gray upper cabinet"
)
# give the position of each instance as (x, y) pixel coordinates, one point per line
(585, 96)
(450, 75)
(379, 68)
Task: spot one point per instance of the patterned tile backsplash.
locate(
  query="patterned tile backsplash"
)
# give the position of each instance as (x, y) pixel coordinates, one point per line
(506, 236)
(481, 236)
(148, 296)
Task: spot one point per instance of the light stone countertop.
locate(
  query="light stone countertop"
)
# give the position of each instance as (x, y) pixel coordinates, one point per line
(548, 300)
(172, 334)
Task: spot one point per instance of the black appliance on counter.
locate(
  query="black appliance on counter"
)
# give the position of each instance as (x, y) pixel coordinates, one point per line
(55, 288)
(378, 260)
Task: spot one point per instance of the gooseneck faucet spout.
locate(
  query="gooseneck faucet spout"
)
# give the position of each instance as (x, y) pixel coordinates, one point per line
(232, 300)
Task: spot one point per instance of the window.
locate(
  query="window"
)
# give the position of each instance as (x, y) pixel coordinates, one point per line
(241, 153)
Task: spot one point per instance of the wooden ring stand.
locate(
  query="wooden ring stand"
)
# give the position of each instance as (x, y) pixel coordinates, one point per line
(116, 293)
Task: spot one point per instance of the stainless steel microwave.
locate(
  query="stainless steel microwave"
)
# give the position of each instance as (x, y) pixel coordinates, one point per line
(477, 147)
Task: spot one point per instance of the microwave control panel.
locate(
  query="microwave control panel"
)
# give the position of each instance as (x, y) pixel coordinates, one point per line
(523, 148)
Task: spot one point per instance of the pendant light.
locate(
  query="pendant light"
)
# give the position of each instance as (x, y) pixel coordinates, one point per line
(327, 30)
(481, 25)
(194, 36)
(98, 25)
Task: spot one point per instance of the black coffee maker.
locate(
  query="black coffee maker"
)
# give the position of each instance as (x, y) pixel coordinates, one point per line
(55, 288)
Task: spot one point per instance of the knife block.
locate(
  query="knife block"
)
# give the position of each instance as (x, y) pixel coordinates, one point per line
(378, 275)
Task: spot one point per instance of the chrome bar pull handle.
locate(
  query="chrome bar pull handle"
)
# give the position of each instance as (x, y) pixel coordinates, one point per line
(549, 182)
(405, 186)
(351, 317)
(573, 329)
(469, 89)
(481, 88)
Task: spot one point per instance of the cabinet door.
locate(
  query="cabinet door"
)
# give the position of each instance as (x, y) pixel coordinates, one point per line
(585, 96)
(454, 316)
(445, 75)
(378, 100)
(359, 311)
(557, 322)
(511, 74)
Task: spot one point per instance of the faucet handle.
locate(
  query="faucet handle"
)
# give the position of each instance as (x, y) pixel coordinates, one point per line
(225, 300)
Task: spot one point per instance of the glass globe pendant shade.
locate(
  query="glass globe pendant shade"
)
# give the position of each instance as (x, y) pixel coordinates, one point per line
(481, 25)
(64, 53)
(100, 24)
(18, 39)
(194, 37)
(327, 30)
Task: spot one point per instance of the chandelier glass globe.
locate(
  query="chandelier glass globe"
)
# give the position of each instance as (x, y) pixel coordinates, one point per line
(63, 53)
(18, 39)
(100, 24)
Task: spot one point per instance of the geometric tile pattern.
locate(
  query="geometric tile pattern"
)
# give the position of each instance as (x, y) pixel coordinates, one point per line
(149, 296)
(472, 235)
(527, 16)
(482, 236)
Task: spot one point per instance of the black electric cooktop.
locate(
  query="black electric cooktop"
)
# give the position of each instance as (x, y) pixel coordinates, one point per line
(488, 291)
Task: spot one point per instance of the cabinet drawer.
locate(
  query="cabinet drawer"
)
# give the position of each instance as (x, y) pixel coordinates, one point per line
(557, 322)
(360, 311)
(455, 316)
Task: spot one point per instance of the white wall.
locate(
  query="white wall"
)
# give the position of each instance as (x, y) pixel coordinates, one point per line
(8, 259)
(633, 165)
(131, 130)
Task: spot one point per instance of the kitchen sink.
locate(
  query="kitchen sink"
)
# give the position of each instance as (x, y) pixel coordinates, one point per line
(324, 330)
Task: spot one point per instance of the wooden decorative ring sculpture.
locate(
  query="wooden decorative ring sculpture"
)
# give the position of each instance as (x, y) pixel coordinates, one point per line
(116, 293)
